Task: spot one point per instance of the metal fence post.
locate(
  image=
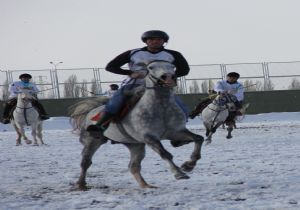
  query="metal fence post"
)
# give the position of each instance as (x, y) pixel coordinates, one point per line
(266, 74)
(223, 71)
(97, 78)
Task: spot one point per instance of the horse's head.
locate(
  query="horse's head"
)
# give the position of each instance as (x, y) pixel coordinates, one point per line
(160, 74)
(26, 95)
(226, 101)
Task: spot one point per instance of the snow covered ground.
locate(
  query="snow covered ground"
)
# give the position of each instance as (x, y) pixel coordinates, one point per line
(258, 169)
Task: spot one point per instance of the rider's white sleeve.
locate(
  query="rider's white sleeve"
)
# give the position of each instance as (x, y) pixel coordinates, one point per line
(219, 87)
(34, 88)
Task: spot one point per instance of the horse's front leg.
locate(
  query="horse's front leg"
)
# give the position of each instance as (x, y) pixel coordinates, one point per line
(23, 135)
(156, 145)
(184, 137)
(212, 130)
(18, 140)
(39, 132)
(229, 129)
(34, 134)
(137, 154)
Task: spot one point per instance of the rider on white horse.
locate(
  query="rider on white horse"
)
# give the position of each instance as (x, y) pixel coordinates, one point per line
(230, 86)
(16, 88)
(137, 59)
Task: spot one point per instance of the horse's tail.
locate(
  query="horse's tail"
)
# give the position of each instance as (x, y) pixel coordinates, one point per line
(80, 110)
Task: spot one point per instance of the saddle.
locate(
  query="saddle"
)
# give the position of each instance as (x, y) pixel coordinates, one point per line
(131, 98)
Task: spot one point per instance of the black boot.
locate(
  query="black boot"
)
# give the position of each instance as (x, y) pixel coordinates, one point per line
(6, 113)
(40, 109)
(200, 107)
(102, 123)
(44, 117)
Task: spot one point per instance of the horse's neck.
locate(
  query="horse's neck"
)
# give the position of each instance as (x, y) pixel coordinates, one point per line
(216, 105)
(159, 96)
(22, 105)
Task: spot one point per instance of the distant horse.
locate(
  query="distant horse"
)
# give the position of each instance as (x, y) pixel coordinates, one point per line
(156, 116)
(26, 115)
(215, 115)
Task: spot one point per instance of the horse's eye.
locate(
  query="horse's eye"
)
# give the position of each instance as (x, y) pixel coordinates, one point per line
(150, 68)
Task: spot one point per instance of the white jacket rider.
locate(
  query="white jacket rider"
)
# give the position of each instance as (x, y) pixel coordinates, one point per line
(231, 86)
(17, 87)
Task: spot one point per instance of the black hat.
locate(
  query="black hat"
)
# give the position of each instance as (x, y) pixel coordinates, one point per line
(25, 76)
(155, 34)
(114, 86)
(233, 74)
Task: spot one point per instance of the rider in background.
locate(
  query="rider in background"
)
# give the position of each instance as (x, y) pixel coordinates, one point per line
(229, 87)
(14, 89)
(112, 89)
(137, 59)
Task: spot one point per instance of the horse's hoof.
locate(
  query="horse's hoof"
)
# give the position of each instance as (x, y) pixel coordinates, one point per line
(81, 187)
(28, 141)
(186, 167)
(207, 142)
(181, 176)
(35, 145)
(148, 186)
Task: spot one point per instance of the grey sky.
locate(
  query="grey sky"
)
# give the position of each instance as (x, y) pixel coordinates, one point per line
(89, 33)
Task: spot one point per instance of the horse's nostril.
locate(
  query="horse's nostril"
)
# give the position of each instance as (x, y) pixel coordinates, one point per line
(164, 77)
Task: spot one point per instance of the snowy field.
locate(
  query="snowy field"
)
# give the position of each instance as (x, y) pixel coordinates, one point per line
(258, 169)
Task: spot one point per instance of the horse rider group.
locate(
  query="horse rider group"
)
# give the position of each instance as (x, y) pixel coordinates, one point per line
(14, 89)
(137, 59)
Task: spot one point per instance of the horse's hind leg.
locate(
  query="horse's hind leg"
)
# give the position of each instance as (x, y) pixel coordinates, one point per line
(91, 144)
(137, 154)
(39, 132)
(188, 136)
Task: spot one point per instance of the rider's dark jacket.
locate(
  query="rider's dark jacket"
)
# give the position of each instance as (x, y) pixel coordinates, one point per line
(137, 59)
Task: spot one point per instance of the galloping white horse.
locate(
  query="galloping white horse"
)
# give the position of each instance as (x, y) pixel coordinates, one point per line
(26, 115)
(155, 117)
(215, 115)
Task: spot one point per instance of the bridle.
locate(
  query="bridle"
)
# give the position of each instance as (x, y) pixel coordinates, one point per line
(158, 82)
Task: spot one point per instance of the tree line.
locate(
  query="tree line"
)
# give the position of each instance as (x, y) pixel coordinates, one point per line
(73, 88)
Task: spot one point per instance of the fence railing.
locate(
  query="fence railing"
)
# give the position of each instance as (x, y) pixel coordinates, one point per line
(78, 82)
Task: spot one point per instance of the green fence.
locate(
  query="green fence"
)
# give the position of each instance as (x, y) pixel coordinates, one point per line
(260, 102)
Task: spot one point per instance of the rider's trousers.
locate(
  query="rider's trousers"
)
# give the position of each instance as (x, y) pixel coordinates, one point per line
(116, 102)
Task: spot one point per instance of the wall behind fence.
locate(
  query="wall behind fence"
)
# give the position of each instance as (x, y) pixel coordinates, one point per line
(260, 102)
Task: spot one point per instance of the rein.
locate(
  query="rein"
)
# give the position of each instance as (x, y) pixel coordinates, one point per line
(159, 83)
(25, 108)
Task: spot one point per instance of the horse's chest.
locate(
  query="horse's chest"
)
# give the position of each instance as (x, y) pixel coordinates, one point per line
(160, 117)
